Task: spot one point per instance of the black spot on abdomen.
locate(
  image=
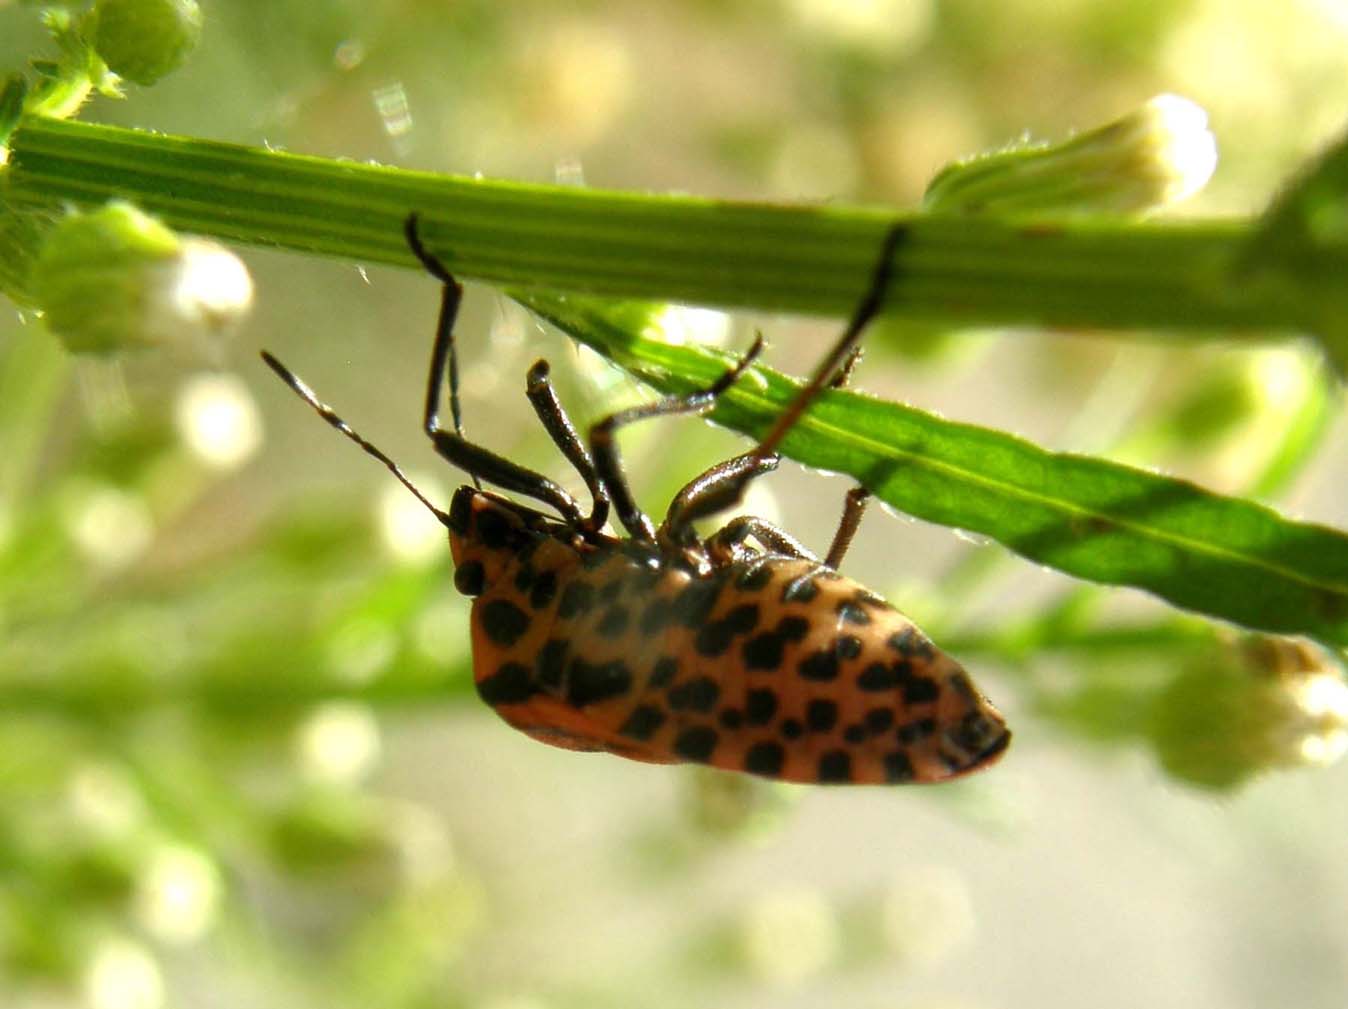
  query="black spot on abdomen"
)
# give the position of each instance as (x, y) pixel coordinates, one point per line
(663, 672)
(642, 723)
(511, 684)
(877, 677)
(850, 613)
(764, 651)
(920, 690)
(544, 590)
(715, 637)
(693, 605)
(503, 621)
(910, 732)
(766, 758)
(577, 598)
(898, 768)
(700, 694)
(551, 663)
(821, 665)
(802, 589)
(835, 767)
(590, 683)
(697, 743)
(492, 529)
(821, 715)
(760, 706)
(754, 578)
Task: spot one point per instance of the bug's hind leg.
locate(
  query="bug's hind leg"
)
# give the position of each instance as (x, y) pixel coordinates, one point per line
(834, 372)
(838, 363)
(604, 448)
(853, 508)
(836, 368)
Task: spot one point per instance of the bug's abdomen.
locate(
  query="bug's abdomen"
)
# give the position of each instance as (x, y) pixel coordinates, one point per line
(775, 667)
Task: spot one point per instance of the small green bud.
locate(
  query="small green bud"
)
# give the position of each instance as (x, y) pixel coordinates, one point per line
(325, 830)
(1272, 703)
(117, 279)
(142, 40)
(1158, 154)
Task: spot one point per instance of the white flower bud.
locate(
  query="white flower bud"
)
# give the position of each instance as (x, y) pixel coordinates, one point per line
(1156, 155)
(116, 279)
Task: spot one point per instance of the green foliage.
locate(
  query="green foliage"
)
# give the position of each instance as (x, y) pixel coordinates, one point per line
(1086, 516)
(239, 740)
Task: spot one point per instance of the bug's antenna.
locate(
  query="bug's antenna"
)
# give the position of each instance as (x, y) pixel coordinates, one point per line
(326, 412)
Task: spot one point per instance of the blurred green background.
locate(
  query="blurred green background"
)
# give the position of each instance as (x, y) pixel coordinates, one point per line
(241, 761)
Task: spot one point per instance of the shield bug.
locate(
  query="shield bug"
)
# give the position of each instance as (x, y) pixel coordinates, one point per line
(742, 650)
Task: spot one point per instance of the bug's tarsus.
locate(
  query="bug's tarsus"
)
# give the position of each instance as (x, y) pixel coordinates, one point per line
(431, 263)
(328, 414)
(845, 372)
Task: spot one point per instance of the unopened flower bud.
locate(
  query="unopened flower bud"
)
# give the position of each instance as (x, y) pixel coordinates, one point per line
(117, 279)
(1277, 703)
(142, 40)
(1158, 154)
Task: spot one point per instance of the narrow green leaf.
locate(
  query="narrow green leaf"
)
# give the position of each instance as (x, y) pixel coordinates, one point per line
(1101, 521)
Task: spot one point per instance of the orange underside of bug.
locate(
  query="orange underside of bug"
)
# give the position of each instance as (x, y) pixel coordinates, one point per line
(773, 665)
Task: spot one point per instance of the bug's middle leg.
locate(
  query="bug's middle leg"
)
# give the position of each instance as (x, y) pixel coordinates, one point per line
(604, 448)
(543, 398)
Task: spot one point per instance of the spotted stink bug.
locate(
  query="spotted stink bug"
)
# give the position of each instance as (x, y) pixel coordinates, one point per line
(741, 650)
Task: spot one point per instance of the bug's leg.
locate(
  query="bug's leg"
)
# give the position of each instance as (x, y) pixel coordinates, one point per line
(710, 492)
(854, 507)
(604, 448)
(538, 387)
(479, 462)
(778, 540)
(842, 358)
(444, 358)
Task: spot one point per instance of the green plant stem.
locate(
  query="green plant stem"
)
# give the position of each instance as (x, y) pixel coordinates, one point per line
(808, 259)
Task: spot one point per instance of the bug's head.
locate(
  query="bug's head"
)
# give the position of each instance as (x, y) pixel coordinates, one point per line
(489, 533)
